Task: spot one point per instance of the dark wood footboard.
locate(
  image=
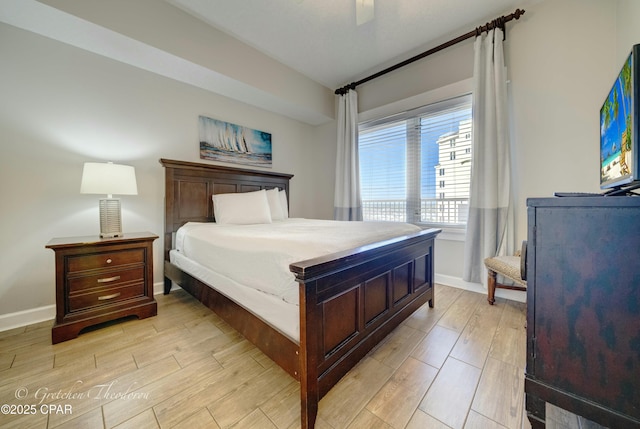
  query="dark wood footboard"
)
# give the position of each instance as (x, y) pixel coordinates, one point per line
(350, 301)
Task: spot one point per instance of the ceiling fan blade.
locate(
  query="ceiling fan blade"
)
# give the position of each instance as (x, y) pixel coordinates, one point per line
(364, 11)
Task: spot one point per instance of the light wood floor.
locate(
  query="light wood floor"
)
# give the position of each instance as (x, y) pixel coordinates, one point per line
(458, 365)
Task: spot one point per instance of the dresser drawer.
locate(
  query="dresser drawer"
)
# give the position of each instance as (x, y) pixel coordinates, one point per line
(105, 297)
(104, 260)
(105, 279)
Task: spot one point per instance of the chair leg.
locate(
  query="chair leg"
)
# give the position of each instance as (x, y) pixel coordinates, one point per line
(491, 287)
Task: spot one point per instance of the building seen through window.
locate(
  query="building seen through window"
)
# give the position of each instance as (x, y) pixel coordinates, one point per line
(416, 166)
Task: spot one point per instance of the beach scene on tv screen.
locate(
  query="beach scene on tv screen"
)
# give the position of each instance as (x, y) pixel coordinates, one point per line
(615, 128)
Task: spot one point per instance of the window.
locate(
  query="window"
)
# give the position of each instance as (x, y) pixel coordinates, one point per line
(407, 164)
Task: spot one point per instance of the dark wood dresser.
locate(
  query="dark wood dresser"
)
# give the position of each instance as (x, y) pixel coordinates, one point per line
(101, 279)
(583, 309)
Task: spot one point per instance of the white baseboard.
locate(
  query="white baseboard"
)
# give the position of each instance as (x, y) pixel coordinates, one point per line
(27, 317)
(48, 312)
(457, 282)
(158, 288)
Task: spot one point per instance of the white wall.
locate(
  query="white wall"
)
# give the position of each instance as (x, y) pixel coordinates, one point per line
(560, 74)
(322, 159)
(627, 31)
(62, 106)
(561, 60)
(194, 50)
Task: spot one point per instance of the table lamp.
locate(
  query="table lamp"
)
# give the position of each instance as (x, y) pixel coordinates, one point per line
(109, 178)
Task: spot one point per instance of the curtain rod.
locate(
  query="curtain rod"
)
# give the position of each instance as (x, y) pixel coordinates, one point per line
(496, 23)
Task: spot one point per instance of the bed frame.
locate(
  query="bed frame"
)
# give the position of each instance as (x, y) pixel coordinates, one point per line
(349, 301)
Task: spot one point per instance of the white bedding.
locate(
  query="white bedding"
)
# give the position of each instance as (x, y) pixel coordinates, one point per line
(258, 256)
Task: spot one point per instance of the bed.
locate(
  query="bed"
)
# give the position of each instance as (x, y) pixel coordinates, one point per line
(348, 300)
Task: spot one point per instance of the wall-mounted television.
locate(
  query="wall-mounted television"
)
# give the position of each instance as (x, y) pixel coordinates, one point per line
(619, 136)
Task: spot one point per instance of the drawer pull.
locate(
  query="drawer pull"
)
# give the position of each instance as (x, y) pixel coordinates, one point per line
(109, 279)
(105, 297)
(109, 261)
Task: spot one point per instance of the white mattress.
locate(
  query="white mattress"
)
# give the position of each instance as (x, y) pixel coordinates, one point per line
(280, 314)
(258, 256)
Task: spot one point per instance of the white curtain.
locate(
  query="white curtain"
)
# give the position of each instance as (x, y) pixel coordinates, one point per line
(347, 200)
(490, 227)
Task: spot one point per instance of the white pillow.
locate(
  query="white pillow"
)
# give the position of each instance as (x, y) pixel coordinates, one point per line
(242, 209)
(283, 204)
(273, 196)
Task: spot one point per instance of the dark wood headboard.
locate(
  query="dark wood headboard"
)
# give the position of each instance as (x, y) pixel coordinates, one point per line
(190, 185)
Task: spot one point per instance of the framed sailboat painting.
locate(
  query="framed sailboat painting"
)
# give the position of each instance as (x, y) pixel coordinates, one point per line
(227, 142)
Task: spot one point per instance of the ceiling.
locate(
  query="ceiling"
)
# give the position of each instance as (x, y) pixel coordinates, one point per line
(320, 38)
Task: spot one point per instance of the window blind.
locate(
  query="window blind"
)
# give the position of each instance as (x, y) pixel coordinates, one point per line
(416, 166)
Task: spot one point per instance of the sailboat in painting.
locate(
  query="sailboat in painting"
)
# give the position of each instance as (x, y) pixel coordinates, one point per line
(227, 142)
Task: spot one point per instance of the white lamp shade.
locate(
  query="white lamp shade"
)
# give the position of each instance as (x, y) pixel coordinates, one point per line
(108, 178)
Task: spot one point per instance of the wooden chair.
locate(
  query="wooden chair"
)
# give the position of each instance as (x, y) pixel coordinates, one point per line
(510, 267)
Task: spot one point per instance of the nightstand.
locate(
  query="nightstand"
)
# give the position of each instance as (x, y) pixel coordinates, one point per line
(101, 279)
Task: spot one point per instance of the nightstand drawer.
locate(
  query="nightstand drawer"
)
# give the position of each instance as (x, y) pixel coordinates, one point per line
(105, 279)
(105, 297)
(105, 260)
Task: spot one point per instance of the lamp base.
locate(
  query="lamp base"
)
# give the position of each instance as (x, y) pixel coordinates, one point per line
(111, 234)
(110, 218)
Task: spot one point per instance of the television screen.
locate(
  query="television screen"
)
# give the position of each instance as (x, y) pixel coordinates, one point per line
(618, 117)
